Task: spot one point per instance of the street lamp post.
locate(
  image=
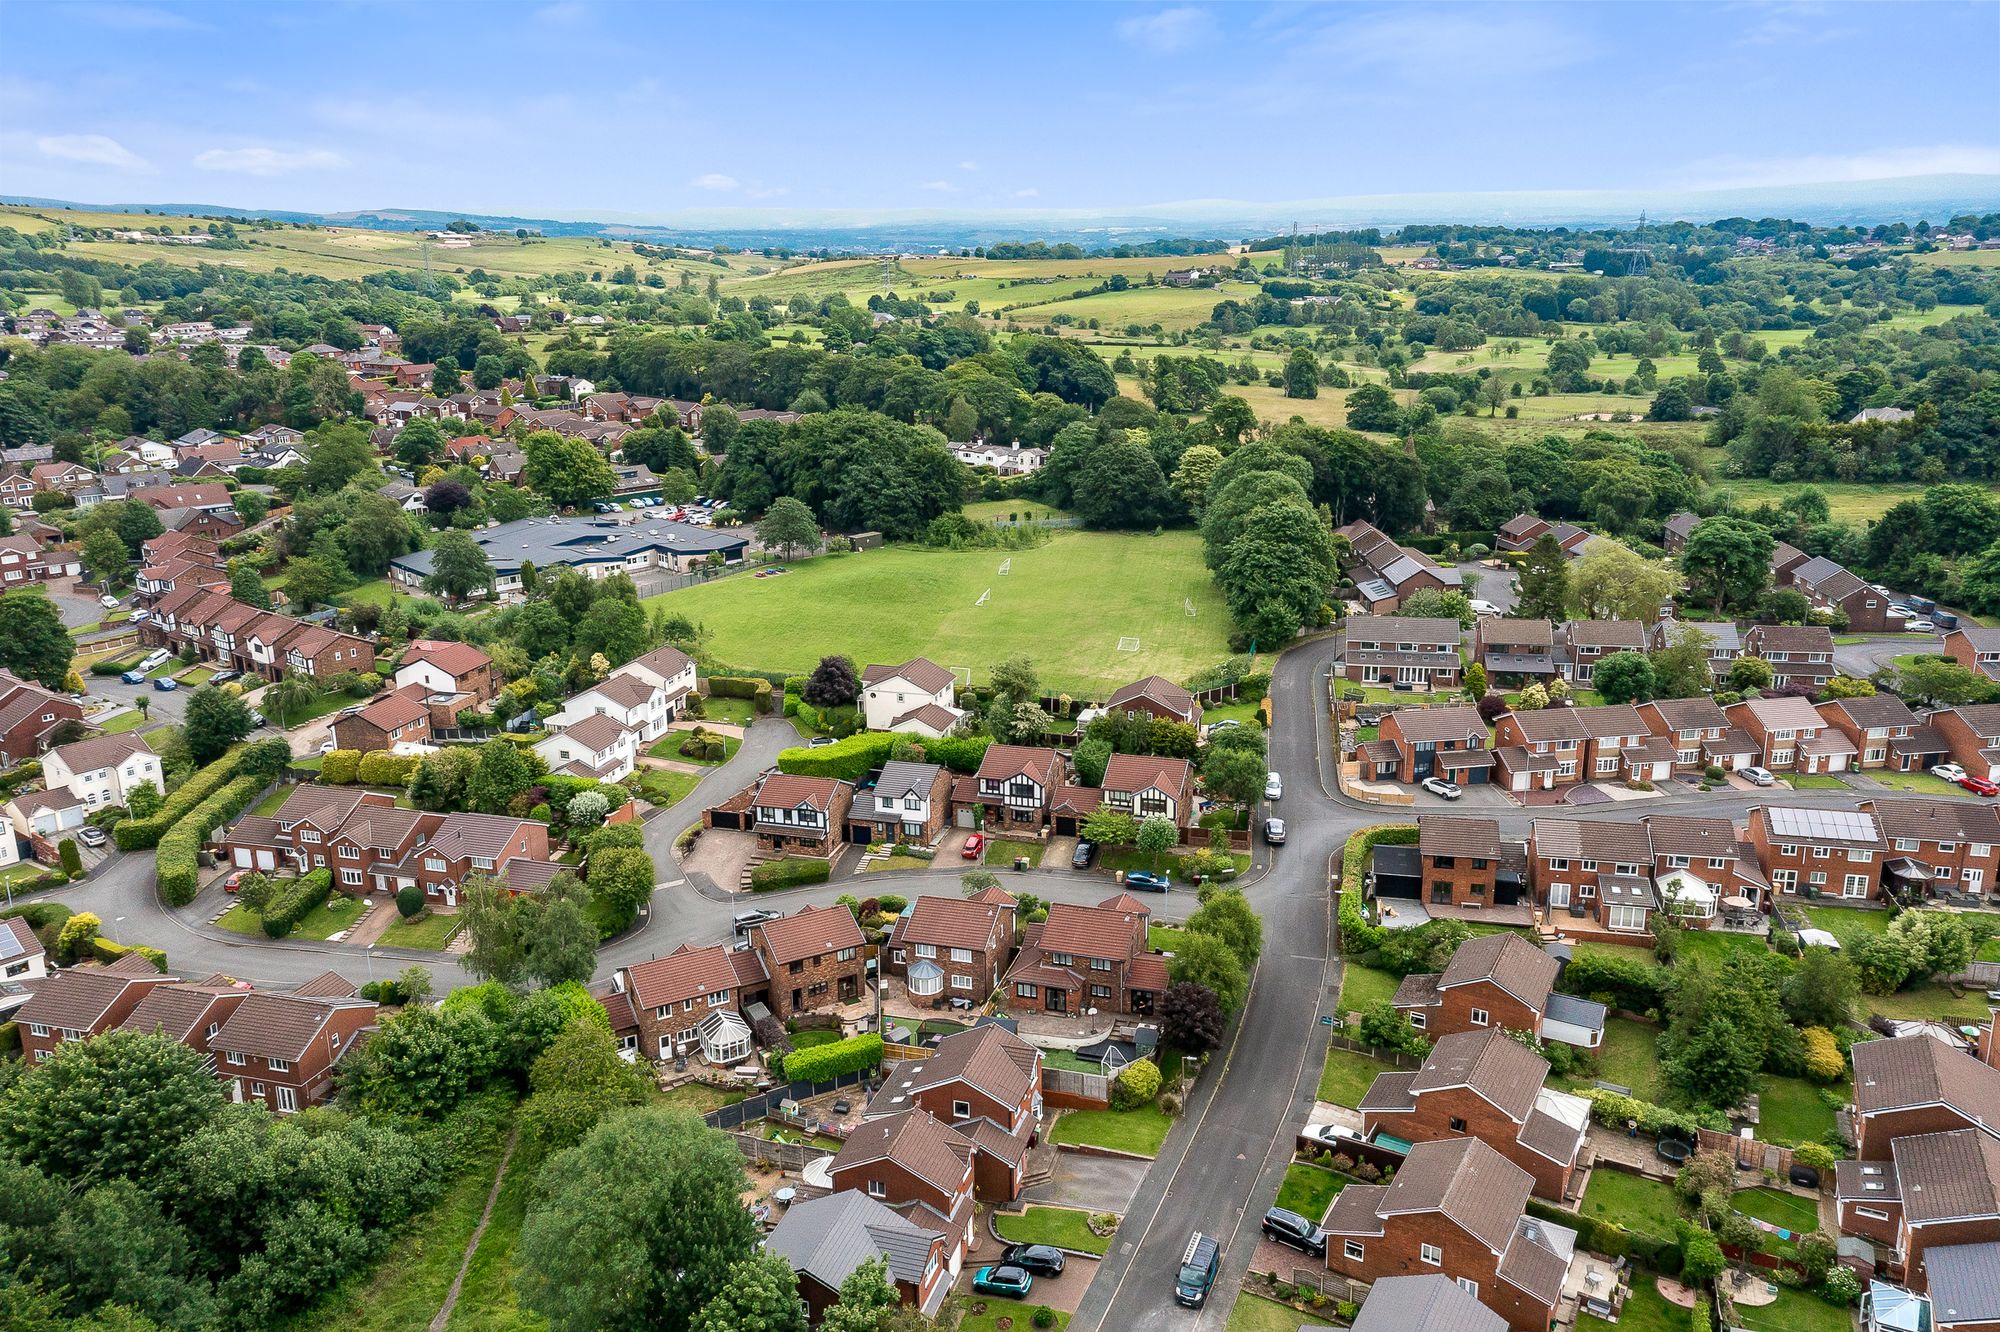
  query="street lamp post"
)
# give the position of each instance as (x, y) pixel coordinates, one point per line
(116, 921)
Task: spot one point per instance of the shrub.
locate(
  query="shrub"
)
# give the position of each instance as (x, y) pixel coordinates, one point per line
(381, 768)
(1842, 1287)
(296, 902)
(409, 900)
(177, 866)
(848, 760)
(342, 767)
(1814, 1154)
(1822, 1055)
(1620, 982)
(789, 873)
(1044, 1317)
(1136, 1084)
(106, 951)
(70, 856)
(823, 1063)
(76, 936)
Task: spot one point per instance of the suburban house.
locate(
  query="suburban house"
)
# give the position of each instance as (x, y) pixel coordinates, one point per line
(282, 1049)
(269, 645)
(1785, 557)
(668, 669)
(388, 721)
(1457, 1208)
(1918, 1084)
(1414, 743)
(1800, 654)
(1724, 644)
(1974, 647)
(1793, 736)
(908, 803)
(1872, 724)
(814, 959)
(688, 1000)
(1937, 1189)
(23, 560)
(372, 847)
(596, 745)
(1384, 573)
(1622, 746)
(1539, 749)
(1015, 785)
(468, 844)
(447, 669)
(1433, 1303)
(1521, 532)
(1963, 1281)
(952, 947)
(1156, 696)
(1972, 735)
(630, 702)
(1674, 537)
(1402, 653)
(1700, 863)
(102, 771)
(805, 815)
(1464, 864)
(189, 1013)
(825, 1239)
(22, 957)
(83, 1001)
(1832, 852)
(1486, 1085)
(1700, 734)
(986, 1083)
(917, 1166)
(1085, 959)
(1149, 787)
(1829, 586)
(1515, 651)
(1499, 980)
(1939, 846)
(29, 714)
(1587, 642)
(1595, 877)
(917, 697)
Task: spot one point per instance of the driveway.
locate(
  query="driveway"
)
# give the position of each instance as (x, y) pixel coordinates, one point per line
(1063, 1293)
(1494, 585)
(1100, 1183)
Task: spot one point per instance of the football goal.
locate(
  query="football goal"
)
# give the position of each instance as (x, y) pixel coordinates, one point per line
(1005, 565)
(1128, 645)
(983, 596)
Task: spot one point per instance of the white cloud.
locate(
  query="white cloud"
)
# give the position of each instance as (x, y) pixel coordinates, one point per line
(1721, 173)
(968, 165)
(1168, 31)
(714, 180)
(1030, 193)
(95, 149)
(268, 161)
(939, 187)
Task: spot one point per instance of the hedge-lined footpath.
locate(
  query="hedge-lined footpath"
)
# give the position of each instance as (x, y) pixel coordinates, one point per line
(177, 865)
(1356, 934)
(855, 757)
(295, 903)
(789, 873)
(266, 758)
(823, 1063)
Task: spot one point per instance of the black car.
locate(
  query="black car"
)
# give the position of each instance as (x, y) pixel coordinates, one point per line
(1085, 853)
(1291, 1228)
(1041, 1259)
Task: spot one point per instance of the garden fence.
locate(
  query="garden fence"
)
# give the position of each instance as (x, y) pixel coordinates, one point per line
(1396, 1057)
(765, 1104)
(1073, 1082)
(784, 1155)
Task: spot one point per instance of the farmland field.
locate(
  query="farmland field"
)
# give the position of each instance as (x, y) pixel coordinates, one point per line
(1066, 605)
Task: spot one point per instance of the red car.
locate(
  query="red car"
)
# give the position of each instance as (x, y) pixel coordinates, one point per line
(232, 883)
(1978, 785)
(973, 846)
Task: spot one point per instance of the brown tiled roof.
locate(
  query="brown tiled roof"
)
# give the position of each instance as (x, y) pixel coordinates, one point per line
(325, 807)
(480, 836)
(1439, 724)
(1148, 971)
(1610, 719)
(596, 732)
(1468, 1182)
(1778, 712)
(455, 659)
(1003, 761)
(1551, 1137)
(1982, 718)
(951, 922)
(393, 710)
(278, 1026)
(665, 662)
(809, 932)
(686, 973)
(105, 751)
(179, 1010)
(1354, 1210)
(24, 941)
(1418, 990)
(1076, 799)
(381, 828)
(1691, 835)
(1509, 961)
(931, 715)
(782, 790)
(925, 674)
(1402, 629)
(1876, 710)
(1137, 772)
(916, 1140)
(1156, 689)
(1948, 1176)
(1546, 725)
(1458, 835)
(1792, 637)
(1532, 1263)
(991, 1059)
(625, 690)
(1920, 1070)
(1937, 820)
(133, 964)
(1091, 931)
(1607, 634)
(1500, 1069)
(327, 985)
(1688, 714)
(526, 876)
(1389, 1092)
(617, 1006)
(1517, 633)
(1604, 840)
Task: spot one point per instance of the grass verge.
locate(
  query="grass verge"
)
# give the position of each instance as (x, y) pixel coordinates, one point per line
(1309, 1191)
(430, 933)
(1139, 1132)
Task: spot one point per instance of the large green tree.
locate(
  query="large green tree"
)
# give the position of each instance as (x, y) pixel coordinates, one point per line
(1207, 961)
(761, 1295)
(459, 566)
(115, 1106)
(33, 642)
(501, 775)
(789, 527)
(569, 471)
(215, 721)
(1727, 561)
(1544, 592)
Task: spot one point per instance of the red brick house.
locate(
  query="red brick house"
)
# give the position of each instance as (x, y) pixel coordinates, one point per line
(916, 1165)
(986, 1083)
(1830, 586)
(1156, 696)
(1384, 573)
(909, 803)
(1710, 849)
(1540, 749)
(689, 1001)
(1587, 642)
(1462, 863)
(1918, 1084)
(1499, 981)
(1085, 958)
(186, 1012)
(1674, 537)
(1397, 651)
(1456, 1208)
(83, 1001)
(1594, 877)
(1972, 734)
(282, 1049)
(1938, 846)
(1486, 1085)
(466, 844)
(1015, 785)
(295, 839)
(1148, 787)
(1621, 745)
(813, 957)
(1831, 852)
(1792, 734)
(375, 847)
(953, 947)
(1700, 734)
(1872, 725)
(1947, 1188)
(23, 560)
(388, 721)
(1414, 743)
(1515, 651)
(1974, 647)
(29, 714)
(1521, 532)
(1799, 653)
(799, 814)
(825, 1239)
(447, 668)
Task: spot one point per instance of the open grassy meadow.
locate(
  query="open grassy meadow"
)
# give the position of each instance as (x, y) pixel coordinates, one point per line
(1066, 605)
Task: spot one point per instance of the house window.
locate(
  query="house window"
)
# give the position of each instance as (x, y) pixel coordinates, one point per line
(1354, 1250)
(1432, 1254)
(1417, 1020)
(926, 950)
(897, 956)
(1469, 1287)
(961, 1109)
(235, 1058)
(1480, 1017)
(1558, 863)
(876, 1189)
(1026, 991)
(281, 1065)
(1587, 866)
(1457, 1124)
(351, 877)
(846, 955)
(961, 982)
(1628, 918)
(961, 954)
(1100, 991)
(350, 853)
(38, 1029)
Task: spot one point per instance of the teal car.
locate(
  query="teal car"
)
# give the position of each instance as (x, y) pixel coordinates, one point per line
(1004, 1279)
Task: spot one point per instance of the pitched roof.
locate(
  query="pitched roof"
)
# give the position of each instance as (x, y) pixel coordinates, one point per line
(1948, 1176)
(1610, 719)
(1468, 1182)
(1781, 711)
(1687, 714)
(916, 1140)
(104, 751)
(925, 674)
(1139, 772)
(827, 1238)
(327, 985)
(1547, 725)
(77, 999)
(455, 659)
(393, 710)
(1458, 835)
(627, 691)
(1691, 836)
(1424, 725)
(1937, 820)
(783, 790)
(1402, 629)
(281, 1026)
(1964, 1283)
(990, 1059)
(686, 973)
(479, 836)
(1430, 1303)
(1620, 842)
(596, 732)
(665, 662)
(951, 922)
(1155, 689)
(1488, 1062)
(1509, 961)
(1003, 761)
(901, 778)
(325, 807)
(1517, 633)
(17, 940)
(1873, 710)
(1819, 827)
(1793, 637)
(1607, 634)
(810, 932)
(1092, 931)
(1920, 1070)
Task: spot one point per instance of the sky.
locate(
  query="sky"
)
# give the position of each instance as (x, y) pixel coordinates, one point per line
(592, 109)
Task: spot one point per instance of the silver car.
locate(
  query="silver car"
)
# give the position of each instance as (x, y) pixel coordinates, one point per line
(1758, 776)
(1274, 786)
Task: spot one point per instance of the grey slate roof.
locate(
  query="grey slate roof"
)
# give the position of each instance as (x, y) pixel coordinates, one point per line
(899, 779)
(1965, 1283)
(1424, 1304)
(1577, 1012)
(829, 1237)
(571, 541)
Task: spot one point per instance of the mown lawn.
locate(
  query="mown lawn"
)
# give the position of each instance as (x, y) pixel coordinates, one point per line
(728, 711)
(272, 801)
(1137, 1131)
(668, 747)
(1644, 1206)
(431, 932)
(322, 922)
(1644, 1311)
(1002, 851)
(1347, 1076)
(697, 1097)
(1064, 1227)
(1361, 988)
(1013, 1314)
(1850, 925)
(1254, 1313)
(1780, 1209)
(1308, 1190)
(666, 788)
(1168, 938)
(1790, 1112)
(1627, 1058)
(1921, 783)
(129, 720)
(1794, 1311)
(1802, 781)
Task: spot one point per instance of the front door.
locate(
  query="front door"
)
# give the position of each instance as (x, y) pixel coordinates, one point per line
(1973, 879)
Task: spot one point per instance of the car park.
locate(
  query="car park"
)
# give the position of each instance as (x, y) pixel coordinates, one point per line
(1441, 788)
(166, 684)
(1978, 785)
(90, 836)
(1149, 882)
(1757, 776)
(1274, 832)
(1039, 1259)
(1274, 786)
(1085, 853)
(1293, 1230)
(1949, 772)
(1197, 1271)
(1002, 1279)
(974, 845)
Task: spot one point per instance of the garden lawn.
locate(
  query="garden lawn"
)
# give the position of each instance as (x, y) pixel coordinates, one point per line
(728, 711)
(899, 864)
(902, 602)
(1927, 1002)
(129, 720)
(1627, 1058)
(802, 1040)
(1780, 1209)
(668, 747)
(666, 788)
(1347, 1076)
(1137, 1131)
(1309, 1191)
(1815, 782)
(1791, 1112)
(1644, 1311)
(270, 803)
(1794, 1311)
(1254, 1313)
(1364, 987)
(339, 913)
(1850, 925)
(430, 933)
(1015, 1313)
(1068, 1059)
(1714, 946)
(1244, 710)
(1643, 1206)
(697, 1097)
(372, 593)
(1989, 951)
(1064, 1227)
(1001, 851)
(1168, 938)
(318, 707)
(1920, 783)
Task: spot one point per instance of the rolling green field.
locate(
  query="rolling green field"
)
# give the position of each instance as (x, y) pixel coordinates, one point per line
(1065, 605)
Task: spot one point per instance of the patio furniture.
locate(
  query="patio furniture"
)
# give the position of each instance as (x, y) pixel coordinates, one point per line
(783, 1197)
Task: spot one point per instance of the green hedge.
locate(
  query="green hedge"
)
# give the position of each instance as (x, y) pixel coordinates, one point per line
(109, 667)
(268, 757)
(1615, 1112)
(735, 686)
(10, 1038)
(823, 1063)
(297, 902)
(106, 951)
(1356, 934)
(849, 760)
(177, 865)
(789, 873)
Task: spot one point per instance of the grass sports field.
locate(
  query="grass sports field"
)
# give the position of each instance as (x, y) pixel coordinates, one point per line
(1066, 605)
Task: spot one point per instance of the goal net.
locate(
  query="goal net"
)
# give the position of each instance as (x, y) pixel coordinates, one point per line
(1128, 645)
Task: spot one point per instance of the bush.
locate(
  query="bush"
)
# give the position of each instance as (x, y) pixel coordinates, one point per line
(342, 767)
(106, 951)
(70, 856)
(789, 873)
(1842, 1287)
(177, 866)
(1136, 1085)
(409, 900)
(1814, 1154)
(1822, 1055)
(847, 760)
(1617, 981)
(1615, 1111)
(381, 768)
(823, 1063)
(296, 902)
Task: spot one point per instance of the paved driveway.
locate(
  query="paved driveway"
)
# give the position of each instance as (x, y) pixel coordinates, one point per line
(1064, 1292)
(1101, 1183)
(1494, 585)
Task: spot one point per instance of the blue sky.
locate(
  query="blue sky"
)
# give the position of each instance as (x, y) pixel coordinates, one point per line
(582, 108)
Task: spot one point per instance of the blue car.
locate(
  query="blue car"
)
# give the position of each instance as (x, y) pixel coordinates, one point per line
(133, 677)
(1148, 882)
(165, 684)
(1013, 1282)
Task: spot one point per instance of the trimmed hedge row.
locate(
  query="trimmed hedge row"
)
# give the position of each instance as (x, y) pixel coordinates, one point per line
(855, 757)
(297, 902)
(177, 865)
(823, 1063)
(268, 757)
(377, 767)
(790, 873)
(754, 688)
(1356, 934)
(106, 951)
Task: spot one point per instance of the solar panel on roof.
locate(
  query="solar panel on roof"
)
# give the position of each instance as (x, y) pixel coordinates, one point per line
(1823, 824)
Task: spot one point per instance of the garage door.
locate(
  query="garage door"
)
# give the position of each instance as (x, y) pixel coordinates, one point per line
(267, 861)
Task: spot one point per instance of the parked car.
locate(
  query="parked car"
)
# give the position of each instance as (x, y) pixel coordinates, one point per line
(140, 616)
(1438, 786)
(108, 601)
(1225, 724)
(233, 882)
(1326, 1135)
(256, 717)
(90, 836)
(224, 677)
(1085, 853)
(1292, 1229)
(974, 846)
(1001, 1279)
(1197, 1271)
(1757, 776)
(326, 746)
(1040, 1259)
(743, 920)
(819, 742)
(133, 677)
(166, 684)
(1919, 627)
(1484, 608)
(1978, 785)
(1950, 772)
(1274, 832)
(1274, 786)
(1149, 882)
